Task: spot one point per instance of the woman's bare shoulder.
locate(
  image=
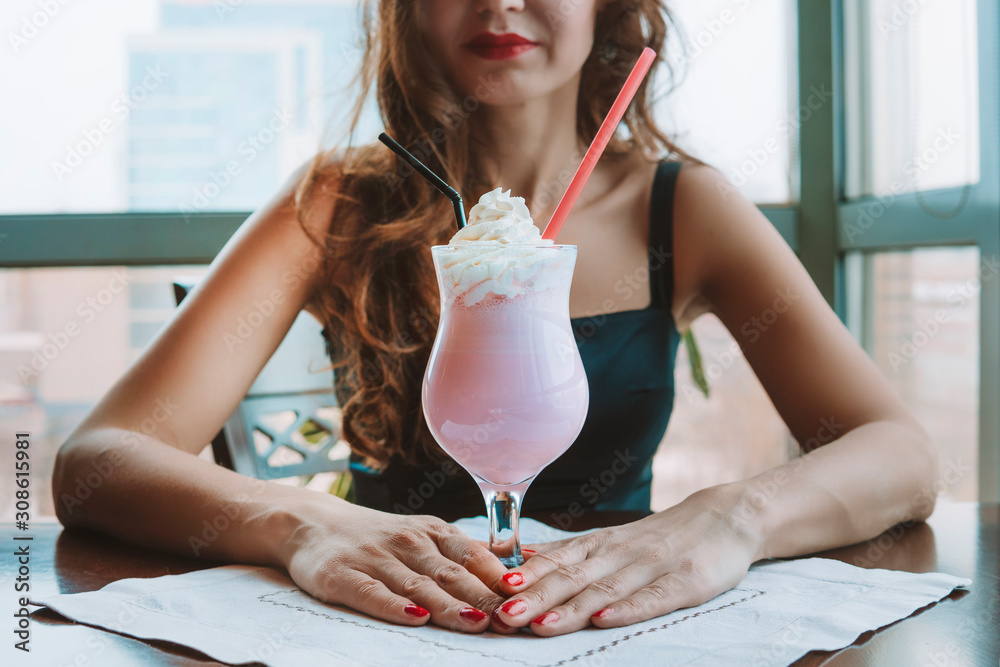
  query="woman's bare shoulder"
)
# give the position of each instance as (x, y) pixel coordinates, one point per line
(701, 195)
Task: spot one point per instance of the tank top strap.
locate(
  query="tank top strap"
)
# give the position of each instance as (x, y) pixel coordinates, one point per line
(661, 235)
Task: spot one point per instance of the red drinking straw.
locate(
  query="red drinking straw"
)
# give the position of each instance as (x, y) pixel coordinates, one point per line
(600, 143)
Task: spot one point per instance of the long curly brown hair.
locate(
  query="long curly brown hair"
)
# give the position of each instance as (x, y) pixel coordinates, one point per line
(378, 293)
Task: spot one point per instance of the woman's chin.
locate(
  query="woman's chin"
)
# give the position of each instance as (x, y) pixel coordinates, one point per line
(499, 92)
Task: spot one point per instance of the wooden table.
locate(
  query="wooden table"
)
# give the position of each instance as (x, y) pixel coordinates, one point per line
(960, 539)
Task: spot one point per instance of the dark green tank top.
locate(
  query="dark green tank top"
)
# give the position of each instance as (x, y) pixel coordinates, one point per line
(629, 360)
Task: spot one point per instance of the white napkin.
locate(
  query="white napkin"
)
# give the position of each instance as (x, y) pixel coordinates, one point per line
(238, 614)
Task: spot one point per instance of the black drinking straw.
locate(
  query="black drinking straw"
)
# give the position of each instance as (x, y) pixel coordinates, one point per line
(450, 192)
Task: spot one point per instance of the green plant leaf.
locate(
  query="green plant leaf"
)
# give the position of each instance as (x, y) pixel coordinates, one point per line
(697, 367)
(343, 486)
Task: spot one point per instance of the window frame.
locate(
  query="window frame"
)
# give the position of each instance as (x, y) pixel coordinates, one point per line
(815, 226)
(826, 214)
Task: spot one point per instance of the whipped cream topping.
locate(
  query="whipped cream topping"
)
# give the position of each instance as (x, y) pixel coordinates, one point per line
(498, 251)
(501, 218)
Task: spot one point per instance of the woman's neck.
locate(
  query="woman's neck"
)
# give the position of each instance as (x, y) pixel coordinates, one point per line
(532, 148)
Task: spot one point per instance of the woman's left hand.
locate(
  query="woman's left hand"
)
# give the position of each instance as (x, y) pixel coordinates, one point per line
(680, 557)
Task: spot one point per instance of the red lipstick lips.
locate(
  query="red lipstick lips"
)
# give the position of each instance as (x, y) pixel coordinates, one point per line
(491, 46)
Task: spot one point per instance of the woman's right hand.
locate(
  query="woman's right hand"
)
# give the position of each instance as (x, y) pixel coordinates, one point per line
(409, 570)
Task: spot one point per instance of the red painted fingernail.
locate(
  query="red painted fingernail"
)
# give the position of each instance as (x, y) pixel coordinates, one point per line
(513, 578)
(472, 614)
(529, 551)
(415, 610)
(496, 619)
(547, 617)
(514, 607)
(604, 613)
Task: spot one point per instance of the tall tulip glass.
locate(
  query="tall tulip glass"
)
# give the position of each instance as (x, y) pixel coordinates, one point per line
(505, 392)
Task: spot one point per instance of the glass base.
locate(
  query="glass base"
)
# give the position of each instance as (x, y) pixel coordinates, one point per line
(503, 509)
(513, 561)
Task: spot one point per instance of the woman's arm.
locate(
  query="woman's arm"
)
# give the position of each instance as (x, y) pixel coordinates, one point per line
(871, 464)
(860, 485)
(131, 468)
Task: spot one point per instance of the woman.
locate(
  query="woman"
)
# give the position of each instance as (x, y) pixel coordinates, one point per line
(503, 92)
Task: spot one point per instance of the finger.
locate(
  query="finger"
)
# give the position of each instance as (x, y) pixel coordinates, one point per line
(455, 579)
(473, 556)
(527, 553)
(370, 596)
(445, 610)
(575, 614)
(544, 561)
(668, 593)
(497, 624)
(557, 587)
(543, 547)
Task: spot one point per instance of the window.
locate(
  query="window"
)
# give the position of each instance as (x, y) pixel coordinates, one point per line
(921, 326)
(189, 106)
(735, 106)
(917, 233)
(167, 105)
(66, 336)
(874, 132)
(913, 95)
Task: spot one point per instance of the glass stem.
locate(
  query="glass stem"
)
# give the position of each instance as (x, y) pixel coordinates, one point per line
(503, 505)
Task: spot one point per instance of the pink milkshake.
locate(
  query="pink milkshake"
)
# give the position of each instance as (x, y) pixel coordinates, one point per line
(507, 395)
(504, 392)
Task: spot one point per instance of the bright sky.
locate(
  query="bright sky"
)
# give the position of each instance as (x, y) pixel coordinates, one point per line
(733, 110)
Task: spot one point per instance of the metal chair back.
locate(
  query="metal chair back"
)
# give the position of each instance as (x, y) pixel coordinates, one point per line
(288, 424)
